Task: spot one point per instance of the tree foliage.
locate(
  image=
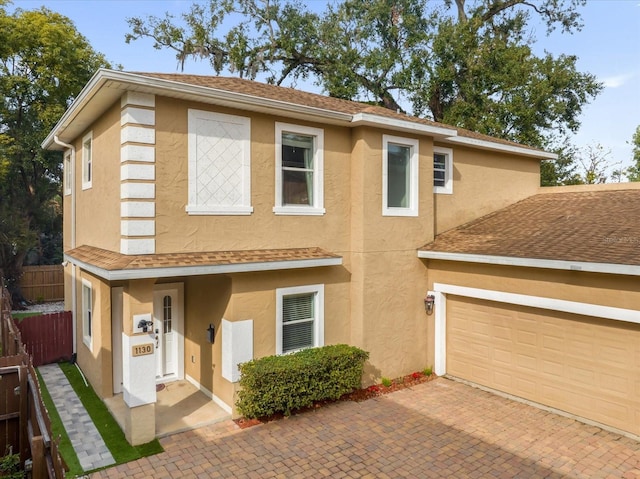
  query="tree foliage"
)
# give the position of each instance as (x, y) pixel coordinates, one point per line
(468, 64)
(44, 63)
(633, 172)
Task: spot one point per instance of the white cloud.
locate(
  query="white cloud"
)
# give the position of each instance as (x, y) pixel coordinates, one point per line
(616, 80)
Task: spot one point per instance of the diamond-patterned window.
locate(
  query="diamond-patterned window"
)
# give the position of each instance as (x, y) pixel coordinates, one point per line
(219, 163)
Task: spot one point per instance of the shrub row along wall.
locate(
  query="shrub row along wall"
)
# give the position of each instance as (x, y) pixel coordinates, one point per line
(282, 384)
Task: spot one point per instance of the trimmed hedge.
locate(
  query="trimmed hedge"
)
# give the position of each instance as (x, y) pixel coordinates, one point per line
(282, 384)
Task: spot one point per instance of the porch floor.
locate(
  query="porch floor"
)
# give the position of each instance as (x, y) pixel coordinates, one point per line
(179, 407)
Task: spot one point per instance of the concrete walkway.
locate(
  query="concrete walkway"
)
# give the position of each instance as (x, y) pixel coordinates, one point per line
(91, 450)
(434, 430)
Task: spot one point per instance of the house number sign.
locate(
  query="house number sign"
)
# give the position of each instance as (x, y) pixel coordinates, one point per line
(142, 349)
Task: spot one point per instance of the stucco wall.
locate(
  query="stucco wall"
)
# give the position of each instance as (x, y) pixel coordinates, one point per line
(178, 231)
(483, 182)
(388, 281)
(252, 296)
(604, 289)
(95, 362)
(98, 208)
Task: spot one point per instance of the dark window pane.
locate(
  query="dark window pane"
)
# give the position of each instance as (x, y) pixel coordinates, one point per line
(297, 187)
(398, 176)
(297, 151)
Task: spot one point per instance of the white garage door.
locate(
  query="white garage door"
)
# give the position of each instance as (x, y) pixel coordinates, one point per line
(585, 366)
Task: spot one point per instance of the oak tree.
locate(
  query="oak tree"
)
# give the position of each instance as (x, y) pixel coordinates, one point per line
(44, 63)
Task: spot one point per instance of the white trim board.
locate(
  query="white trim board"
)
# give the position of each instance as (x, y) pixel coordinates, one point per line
(574, 307)
(609, 268)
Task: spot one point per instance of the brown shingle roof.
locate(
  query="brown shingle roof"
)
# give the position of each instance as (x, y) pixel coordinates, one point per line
(110, 261)
(592, 227)
(291, 95)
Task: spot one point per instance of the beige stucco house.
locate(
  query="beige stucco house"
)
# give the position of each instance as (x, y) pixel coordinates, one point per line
(213, 220)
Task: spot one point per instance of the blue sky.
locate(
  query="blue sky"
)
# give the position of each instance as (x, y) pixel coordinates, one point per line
(608, 46)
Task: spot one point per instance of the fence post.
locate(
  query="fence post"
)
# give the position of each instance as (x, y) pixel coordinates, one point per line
(39, 470)
(24, 416)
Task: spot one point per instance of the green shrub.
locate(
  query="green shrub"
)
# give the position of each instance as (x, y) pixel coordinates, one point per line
(386, 382)
(10, 466)
(282, 384)
(428, 371)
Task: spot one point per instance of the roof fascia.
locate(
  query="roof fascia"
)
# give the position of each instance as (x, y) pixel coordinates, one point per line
(490, 145)
(608, 268)
(369, 119)
(168, 272)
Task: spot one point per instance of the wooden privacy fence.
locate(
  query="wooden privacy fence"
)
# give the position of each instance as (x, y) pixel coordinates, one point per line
(24, 422)
(43, 283)
(48, 338)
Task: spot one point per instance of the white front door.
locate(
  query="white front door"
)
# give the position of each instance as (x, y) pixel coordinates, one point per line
(168, 329)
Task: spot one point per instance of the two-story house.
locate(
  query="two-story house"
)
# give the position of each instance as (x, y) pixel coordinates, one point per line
(209, 221)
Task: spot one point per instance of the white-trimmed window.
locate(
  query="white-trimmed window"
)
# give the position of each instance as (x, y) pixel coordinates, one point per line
(299, 318)
(399, 176)
(442, 170)
(219, 164)
(87, 313)
(87, 160)
(66, 166)
(299, 170)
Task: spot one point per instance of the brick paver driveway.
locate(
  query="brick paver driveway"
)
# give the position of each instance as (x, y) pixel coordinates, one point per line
(438, 429)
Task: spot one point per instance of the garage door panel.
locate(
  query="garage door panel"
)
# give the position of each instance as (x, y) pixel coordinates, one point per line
(586, 366)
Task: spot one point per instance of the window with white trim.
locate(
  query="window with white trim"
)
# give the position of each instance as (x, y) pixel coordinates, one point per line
(87, 313)
(299, 318)
(299, 170)
(66, 165)
(442, 170)
(399, 176)
(219, 161)
(87, 161)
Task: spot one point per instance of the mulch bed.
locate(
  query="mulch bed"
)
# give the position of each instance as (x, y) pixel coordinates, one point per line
(358, 395)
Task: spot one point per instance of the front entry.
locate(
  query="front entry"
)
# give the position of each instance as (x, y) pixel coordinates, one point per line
(168, 324)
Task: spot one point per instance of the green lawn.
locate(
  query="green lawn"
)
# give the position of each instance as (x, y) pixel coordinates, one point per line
(113, 436)
(20, 316)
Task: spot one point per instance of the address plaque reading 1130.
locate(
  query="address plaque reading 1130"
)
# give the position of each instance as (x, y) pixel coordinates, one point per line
(142, 349)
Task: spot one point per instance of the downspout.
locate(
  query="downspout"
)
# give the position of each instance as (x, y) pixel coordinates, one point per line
(73, 234)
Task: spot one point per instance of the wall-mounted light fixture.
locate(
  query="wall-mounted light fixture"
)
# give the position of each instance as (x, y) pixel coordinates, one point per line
(211, 333)
(429, 301)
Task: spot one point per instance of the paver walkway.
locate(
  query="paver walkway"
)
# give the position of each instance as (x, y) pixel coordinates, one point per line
(91, 450)
(439, 429)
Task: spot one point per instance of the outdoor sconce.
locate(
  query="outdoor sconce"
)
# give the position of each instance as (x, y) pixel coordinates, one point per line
(211, 333)
(145, 325)
(429, 301)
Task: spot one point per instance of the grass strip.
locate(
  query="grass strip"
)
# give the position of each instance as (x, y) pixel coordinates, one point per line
(20, 316)
(64, 446)
(107, 426)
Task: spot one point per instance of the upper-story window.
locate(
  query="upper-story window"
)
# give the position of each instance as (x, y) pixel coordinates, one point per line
(219, 164)
(442, 170)
(87, 161)
(299, 318)
(399, 176)
(66, 166)
(299, 170)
